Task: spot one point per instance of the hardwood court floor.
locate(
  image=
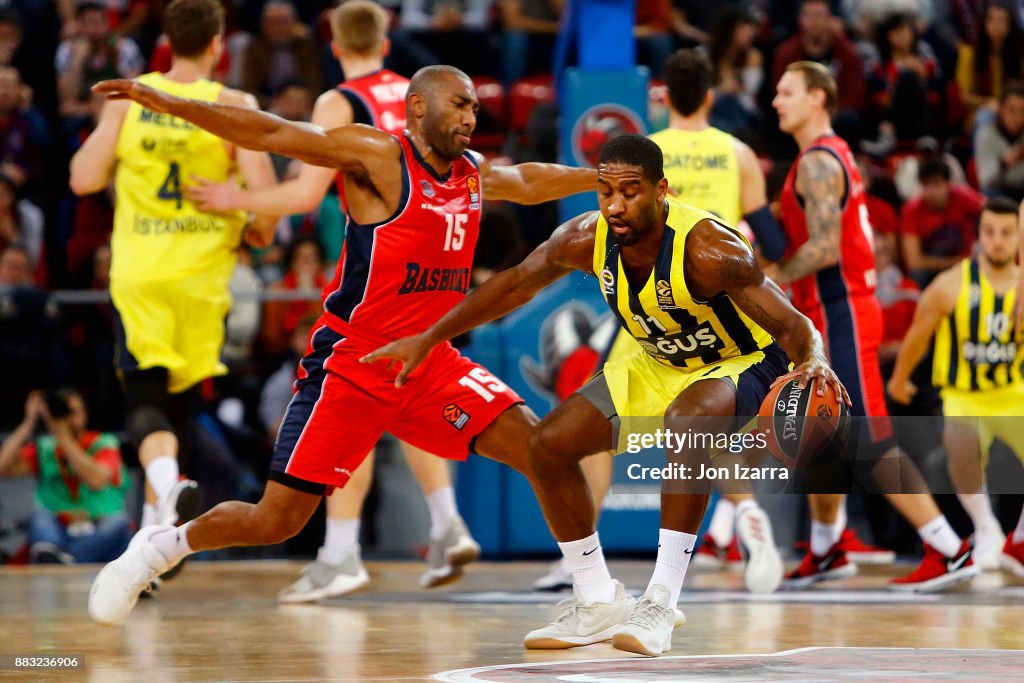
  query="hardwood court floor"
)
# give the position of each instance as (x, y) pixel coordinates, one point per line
(219, 621)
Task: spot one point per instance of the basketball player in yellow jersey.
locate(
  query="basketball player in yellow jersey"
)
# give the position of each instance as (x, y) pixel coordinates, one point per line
(710, 344)
(710, 169)
(360, 42)
(171, 262)
(970, 310)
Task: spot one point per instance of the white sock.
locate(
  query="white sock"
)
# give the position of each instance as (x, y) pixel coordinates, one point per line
(148, 515)
(341, 535)
(675, 549)
(940, 535)
(979, 508)
(585, 559)
(162, 474)
(1018, 533)
(442, 511)
(824, 536)
(722, 519)
(173, 543)
(746, 505)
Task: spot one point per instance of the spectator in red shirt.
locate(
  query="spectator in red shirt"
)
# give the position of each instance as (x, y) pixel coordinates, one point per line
(937, 227)
(898, 295)
(81, 483)
(821, 39)
(305, 274)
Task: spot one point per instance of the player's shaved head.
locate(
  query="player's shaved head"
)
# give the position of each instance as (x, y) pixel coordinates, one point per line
(425, 81)
(441, 104)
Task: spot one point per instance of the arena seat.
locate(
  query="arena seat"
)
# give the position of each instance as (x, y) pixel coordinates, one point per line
(491, 119)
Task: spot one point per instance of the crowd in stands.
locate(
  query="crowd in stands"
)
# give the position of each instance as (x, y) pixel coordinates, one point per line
(930, 97)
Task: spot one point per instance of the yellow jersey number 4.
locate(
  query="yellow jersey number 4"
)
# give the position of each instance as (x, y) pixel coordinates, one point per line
(171, 187)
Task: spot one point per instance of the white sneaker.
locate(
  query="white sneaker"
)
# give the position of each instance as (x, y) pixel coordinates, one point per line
(580, 624)
(117, 587)
(557, 579)
(648, 631)
(988, 546)
(449, 554)
(321, 580)
(764, 570)
(180, 504)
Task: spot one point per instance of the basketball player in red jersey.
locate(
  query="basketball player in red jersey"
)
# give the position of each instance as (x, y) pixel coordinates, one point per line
(829, 267)
(413, 221)
(373, 96)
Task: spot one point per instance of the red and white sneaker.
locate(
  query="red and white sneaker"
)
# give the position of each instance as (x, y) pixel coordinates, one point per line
(1012, 559)
(937, 571)
(859, 552)
(833, 565)
(710, 555)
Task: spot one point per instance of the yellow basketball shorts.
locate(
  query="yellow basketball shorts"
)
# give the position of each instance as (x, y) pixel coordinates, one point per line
(994, 413)
(174, 324)
(636, 385)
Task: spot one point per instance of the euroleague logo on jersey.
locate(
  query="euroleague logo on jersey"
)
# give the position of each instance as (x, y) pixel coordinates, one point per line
(455, 415)
(598, 125)
(473, 185)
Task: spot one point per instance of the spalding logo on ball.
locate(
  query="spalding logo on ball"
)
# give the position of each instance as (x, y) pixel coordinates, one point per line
(598, 125)
(798, 423)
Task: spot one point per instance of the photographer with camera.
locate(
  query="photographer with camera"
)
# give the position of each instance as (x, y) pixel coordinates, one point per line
(79, 513)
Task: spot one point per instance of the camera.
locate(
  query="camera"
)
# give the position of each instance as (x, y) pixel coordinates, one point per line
(57, 404)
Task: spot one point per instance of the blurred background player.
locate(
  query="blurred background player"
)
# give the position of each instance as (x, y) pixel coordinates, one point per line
(714, 171)
(969, 308)
(829, 267)
(375, 96)
(171, 261)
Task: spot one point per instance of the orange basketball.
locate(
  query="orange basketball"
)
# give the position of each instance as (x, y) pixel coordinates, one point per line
(798, 423)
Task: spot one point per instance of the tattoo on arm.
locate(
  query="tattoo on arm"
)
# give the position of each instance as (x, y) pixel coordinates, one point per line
(820, 180)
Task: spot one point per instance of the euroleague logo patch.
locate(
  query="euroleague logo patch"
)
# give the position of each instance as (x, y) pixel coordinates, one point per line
(455, 415)
(473, 185)
(664, 291)
(598, 125)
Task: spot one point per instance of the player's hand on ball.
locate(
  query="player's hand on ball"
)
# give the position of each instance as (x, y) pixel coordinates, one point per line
(817, 368)
(127, 89)
(408, 352)
(901, 391)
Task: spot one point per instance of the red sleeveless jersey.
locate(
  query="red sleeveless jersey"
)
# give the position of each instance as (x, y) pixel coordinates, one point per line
(854, 275)
(400, 276)
(382, 95)
(377, 99)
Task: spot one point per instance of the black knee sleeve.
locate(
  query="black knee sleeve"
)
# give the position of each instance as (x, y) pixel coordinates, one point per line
(145, 420)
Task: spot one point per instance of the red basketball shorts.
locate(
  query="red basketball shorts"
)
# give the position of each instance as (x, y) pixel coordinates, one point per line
(341, 407)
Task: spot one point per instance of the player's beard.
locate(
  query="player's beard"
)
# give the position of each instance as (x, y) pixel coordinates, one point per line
(1000, 263)
(637, 229)
(443, 141)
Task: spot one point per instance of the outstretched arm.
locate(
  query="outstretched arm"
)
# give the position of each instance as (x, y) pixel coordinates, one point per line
(534, 183)
(937, 301)
(821, 182)
(300, 195)
(570, 247)
(351, 148)
(717, 261)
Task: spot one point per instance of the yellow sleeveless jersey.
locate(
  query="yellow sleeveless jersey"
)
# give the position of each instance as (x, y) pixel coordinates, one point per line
(702, 170)
(974, 345)
(662, 316)
(158, 233)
